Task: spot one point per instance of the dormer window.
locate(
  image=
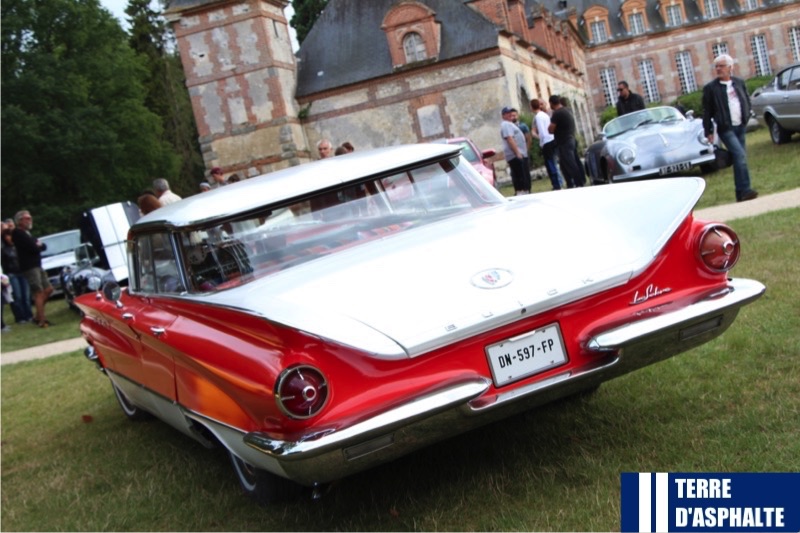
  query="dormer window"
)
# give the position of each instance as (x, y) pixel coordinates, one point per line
(633, 13)
(711, 9)
(599, 33)
(414, 47)
(412, 33)
(636, 23)
(597, 19)
(674, 15)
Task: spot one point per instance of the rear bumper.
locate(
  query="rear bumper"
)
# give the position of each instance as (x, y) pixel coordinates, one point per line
(333, 454)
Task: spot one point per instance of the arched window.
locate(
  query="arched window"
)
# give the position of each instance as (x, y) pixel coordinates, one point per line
(414, 47)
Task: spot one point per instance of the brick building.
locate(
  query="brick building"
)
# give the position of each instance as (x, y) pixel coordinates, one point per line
(385, 72)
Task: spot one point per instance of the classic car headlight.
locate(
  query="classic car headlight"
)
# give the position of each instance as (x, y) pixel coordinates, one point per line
(718, 248)
(626, 155)
(301, 391)
(701, 137)
(93, 282)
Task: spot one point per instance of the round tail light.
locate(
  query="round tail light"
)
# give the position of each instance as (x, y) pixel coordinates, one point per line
(301, 391)
(718, 248)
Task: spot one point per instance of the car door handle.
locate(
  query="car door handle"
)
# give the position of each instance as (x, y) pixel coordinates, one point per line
(127, 316)
(158, 331)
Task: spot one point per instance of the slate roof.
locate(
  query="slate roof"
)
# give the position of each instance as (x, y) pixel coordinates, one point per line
(347, 45)
(656, 23)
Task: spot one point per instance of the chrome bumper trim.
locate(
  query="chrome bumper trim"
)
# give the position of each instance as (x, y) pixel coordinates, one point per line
(330, 455)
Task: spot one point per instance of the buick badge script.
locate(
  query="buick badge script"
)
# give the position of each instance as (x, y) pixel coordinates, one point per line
(650, 292)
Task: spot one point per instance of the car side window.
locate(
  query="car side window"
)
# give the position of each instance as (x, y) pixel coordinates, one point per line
(156, 267)
(783, 79)
(794, 79)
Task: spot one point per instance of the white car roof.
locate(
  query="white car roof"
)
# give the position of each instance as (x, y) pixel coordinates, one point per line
(293, 182)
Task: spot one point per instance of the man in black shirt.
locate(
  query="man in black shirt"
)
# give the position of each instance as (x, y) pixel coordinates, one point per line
(29, 252)
(562, 125)
(628, 101)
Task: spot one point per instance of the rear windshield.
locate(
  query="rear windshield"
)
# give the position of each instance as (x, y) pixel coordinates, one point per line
(229, 253)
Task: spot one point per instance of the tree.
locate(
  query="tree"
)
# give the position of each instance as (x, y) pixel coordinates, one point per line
(75, 130)
(167, 96)
(306, 13)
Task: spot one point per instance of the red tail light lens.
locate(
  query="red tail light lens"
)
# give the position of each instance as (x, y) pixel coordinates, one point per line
(718, 248)
(301, 391)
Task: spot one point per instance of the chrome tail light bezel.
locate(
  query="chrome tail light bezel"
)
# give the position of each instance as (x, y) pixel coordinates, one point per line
(718, 248)
(302, 391)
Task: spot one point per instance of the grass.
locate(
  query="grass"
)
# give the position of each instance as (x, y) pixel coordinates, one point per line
(65, 326)
(71, 461)
(773, 168)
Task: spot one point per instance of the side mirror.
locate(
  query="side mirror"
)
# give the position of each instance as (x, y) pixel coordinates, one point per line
(690, 114)
(488, 153)
(112, 291)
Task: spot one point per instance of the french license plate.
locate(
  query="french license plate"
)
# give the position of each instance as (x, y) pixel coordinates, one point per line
(671, 169)
(526, 354)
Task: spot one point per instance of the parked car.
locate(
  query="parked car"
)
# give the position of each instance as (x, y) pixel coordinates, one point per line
(777, 104)
(330, 317)
(59, 253)
(84, 275)
(480, 159)
(653, 142)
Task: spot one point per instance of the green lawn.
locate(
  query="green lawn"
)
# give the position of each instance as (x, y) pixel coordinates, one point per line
(64, 326)
(71, 461)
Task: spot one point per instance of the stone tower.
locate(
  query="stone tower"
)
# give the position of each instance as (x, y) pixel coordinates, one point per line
(241, 77)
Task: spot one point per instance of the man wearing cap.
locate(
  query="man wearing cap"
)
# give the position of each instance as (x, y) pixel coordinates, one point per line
(514, 152)
(217, 179)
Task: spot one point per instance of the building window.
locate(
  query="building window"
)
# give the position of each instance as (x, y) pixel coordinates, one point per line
(414, 47)
(608, 80)
(794, 42)
(750, 5)
(674, 17)
(683, 60)
(599, 34)
(717, 49)
(636, 24)
(647, 77)
(712, 8)
(760, 55)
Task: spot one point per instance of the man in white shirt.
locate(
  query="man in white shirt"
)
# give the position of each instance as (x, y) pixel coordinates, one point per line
(165, 195)
(547, 141)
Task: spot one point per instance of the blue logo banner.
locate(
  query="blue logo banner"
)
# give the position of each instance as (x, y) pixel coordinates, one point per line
(683, 502)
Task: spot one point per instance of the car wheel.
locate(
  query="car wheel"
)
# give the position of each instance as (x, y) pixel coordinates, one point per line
(777, 132)
(264, 487)
(131, 411)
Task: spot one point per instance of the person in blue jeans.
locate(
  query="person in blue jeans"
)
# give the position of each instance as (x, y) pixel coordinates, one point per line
(726, 104)
(21, 291)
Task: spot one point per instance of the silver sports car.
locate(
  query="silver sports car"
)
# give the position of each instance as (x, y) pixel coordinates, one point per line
(653, 142)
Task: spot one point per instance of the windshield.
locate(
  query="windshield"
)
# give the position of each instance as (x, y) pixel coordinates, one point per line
(235, 251)
(631, 121)
(467, 151)
(61, 242)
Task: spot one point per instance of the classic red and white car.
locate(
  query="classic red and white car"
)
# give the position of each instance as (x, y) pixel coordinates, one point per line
(326, 318)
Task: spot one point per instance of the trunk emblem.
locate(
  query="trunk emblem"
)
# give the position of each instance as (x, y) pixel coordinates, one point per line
(493, 278)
